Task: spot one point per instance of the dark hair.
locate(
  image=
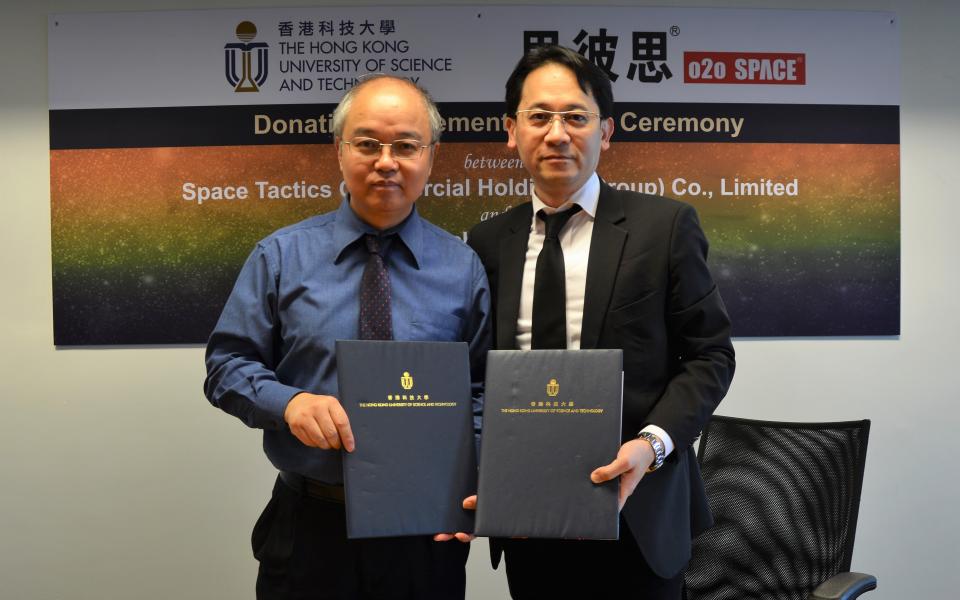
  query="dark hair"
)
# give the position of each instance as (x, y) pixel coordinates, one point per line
(591, 78)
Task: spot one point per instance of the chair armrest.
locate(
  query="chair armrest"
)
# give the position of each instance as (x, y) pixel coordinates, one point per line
(844, 586)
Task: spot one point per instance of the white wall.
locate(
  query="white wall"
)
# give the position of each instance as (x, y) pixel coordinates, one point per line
(118, 480)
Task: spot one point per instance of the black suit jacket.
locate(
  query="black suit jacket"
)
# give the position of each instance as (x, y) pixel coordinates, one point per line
(649, 292)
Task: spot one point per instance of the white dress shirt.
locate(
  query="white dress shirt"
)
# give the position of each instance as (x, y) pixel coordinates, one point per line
(575, 242)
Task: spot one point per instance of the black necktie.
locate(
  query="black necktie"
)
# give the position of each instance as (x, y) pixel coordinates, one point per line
(375, 321)
(549, 287)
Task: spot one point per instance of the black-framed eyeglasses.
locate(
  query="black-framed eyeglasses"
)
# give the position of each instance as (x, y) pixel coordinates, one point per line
(399, 149)
(537, 118)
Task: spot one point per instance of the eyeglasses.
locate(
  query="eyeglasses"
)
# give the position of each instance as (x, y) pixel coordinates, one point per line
(536, 118)
(399, 149)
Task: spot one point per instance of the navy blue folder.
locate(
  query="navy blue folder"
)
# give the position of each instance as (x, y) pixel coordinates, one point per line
(550, 418)
(410, 410)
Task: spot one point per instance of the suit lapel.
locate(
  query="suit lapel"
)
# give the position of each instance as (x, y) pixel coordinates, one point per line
(513, 251)
(606, 248)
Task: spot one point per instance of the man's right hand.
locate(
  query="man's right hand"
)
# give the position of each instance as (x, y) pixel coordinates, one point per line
(319, 422)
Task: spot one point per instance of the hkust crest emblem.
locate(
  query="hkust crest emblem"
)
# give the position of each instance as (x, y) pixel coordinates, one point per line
(553, 388)
(406, 381)
(251, 73)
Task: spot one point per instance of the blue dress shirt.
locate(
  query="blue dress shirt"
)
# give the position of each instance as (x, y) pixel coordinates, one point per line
(298, 293)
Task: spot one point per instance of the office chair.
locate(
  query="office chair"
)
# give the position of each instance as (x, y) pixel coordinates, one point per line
(785, 498)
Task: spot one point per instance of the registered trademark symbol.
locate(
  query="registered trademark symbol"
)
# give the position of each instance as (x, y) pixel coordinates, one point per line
(675, 31)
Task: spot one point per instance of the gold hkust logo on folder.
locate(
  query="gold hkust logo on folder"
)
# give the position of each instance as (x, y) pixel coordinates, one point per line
(406, 381)
(553, 388)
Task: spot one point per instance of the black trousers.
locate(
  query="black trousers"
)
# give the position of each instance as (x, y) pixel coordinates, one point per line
(301, 543)
(553, 569)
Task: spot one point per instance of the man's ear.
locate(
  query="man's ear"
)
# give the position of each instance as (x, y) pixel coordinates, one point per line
(511, 124)
(338, 143)
(434, 148)
(606, 132)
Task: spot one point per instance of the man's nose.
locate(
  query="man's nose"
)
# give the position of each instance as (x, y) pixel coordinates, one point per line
(557, 131)
(386, 161)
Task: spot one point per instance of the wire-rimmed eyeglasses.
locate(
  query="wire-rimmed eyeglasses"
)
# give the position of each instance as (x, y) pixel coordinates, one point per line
(399, 149)
(537, 118)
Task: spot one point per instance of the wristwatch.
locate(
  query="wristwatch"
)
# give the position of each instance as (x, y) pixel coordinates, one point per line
(658, 450)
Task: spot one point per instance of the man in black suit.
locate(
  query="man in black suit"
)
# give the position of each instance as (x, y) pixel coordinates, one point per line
(633, 275)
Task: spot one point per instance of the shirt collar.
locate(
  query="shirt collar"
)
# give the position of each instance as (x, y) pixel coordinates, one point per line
(348, 228)
(587, 197)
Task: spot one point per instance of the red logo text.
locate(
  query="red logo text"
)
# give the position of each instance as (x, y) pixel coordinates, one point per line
(776, 68)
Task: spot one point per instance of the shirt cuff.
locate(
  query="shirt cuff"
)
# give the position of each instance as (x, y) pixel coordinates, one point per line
(273, 398)
(664, 437)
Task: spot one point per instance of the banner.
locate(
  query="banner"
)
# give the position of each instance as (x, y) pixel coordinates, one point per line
(178, 139)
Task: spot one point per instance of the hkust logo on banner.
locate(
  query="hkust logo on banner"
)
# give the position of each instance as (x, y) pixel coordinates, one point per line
(251, 57)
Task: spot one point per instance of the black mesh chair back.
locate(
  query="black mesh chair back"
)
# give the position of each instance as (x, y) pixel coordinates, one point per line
(785, 498)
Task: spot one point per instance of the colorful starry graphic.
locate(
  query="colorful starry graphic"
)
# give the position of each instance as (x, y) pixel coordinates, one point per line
(134, 262)
(823, 262)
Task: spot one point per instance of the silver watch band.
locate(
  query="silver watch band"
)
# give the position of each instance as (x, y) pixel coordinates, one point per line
(658, 450)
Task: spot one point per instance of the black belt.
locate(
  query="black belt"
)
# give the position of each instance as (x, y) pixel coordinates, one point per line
(312, 487)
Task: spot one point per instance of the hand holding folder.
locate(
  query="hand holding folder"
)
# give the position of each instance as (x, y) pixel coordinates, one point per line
(469, 503)
(319, 422)
(630, 465)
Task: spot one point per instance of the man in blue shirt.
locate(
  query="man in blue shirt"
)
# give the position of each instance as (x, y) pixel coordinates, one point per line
(271, 361)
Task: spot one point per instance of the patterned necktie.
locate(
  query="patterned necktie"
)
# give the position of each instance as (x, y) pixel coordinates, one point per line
(375, 320)
(549, 286)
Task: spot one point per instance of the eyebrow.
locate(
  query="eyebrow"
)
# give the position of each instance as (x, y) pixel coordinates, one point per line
(546, 106)
(403, 135)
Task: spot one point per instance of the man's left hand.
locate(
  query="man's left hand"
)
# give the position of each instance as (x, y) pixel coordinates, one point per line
(631, 464)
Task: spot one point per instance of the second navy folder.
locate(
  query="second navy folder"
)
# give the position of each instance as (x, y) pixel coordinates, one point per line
(550, 418)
